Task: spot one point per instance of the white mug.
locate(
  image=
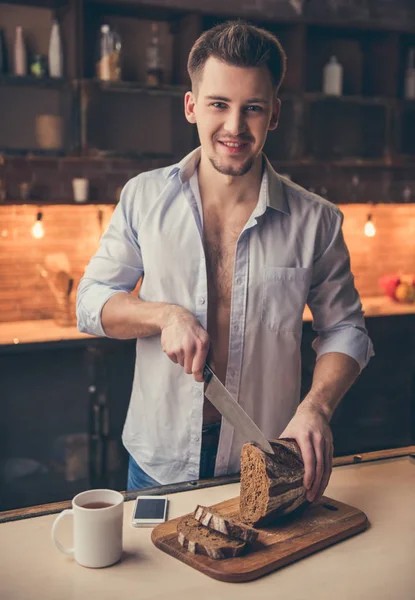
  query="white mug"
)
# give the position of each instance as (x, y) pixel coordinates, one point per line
(80, 187)
(97, 530)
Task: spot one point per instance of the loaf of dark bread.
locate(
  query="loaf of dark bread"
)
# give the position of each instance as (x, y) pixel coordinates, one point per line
(199, 539)
(227, 525)
(271, 484)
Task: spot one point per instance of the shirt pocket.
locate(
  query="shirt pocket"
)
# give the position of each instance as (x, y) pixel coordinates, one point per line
(284, 294)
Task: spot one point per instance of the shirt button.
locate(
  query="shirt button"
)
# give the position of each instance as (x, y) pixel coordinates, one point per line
(236, 327)
(201, 300)
(239, 281)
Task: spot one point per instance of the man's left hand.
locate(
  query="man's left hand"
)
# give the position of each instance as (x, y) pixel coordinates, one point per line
(311, 430)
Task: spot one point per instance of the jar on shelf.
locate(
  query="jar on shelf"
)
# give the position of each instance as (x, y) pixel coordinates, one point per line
(154, 61)
(109, 57)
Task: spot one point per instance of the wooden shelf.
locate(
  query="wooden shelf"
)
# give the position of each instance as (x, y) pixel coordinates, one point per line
(52, 4)
(30, 81)
(136, 88)
(344, 24)
(281, 12)
(349, 99)
(29, 152)
(60, 202)
(145, 9)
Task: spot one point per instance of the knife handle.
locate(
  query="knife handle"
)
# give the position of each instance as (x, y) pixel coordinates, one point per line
(207, 373)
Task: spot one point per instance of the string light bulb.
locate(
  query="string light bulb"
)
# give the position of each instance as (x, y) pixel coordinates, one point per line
(38, 230)
(370, 229)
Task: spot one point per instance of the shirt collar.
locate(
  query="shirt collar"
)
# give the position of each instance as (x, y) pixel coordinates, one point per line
(271, 187)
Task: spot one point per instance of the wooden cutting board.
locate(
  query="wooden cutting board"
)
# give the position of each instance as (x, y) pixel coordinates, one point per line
(295, 536)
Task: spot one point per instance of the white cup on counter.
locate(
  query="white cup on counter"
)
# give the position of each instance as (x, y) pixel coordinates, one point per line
(97, 528)
(80, 187)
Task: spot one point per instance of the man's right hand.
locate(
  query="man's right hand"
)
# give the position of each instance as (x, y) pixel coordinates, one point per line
(185, 341)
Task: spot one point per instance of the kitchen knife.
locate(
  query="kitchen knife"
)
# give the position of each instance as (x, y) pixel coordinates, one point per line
(217, 393)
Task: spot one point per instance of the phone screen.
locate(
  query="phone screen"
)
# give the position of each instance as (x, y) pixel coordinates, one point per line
(150, 508)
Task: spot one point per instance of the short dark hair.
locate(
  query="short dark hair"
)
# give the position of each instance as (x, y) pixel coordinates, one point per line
(240, 44)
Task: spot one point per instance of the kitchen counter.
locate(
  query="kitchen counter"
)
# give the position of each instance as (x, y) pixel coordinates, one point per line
(32, 332)
(374, 565)
(46, 331)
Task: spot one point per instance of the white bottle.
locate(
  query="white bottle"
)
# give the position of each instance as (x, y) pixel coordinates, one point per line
(410, 76)
(104, 65)
(55, 51)
(333, 77)
(20, 55)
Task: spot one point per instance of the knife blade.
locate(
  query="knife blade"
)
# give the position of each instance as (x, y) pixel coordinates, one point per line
(223, 400)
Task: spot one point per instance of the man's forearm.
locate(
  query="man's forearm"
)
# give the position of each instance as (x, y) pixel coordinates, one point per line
(125, 316)
(334, 374)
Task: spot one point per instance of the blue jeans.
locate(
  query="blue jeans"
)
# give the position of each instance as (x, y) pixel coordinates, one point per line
(138, 479)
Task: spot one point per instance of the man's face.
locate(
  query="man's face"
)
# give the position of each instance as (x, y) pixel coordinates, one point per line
(233, 108)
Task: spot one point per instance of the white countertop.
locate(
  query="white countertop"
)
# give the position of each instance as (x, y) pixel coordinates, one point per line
(30, 332)
(377, 564)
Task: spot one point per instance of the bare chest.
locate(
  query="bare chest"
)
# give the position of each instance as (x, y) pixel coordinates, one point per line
(220, 241)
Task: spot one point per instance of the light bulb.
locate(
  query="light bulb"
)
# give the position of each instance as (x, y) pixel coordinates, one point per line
(370, 229)
(37, 230)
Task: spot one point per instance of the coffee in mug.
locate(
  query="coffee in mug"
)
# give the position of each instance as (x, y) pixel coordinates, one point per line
(97, 505)
(97, 526)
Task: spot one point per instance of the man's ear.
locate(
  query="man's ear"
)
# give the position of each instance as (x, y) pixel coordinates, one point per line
(275, 114)
(189, 107)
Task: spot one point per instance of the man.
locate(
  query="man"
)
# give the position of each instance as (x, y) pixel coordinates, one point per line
(229, 253)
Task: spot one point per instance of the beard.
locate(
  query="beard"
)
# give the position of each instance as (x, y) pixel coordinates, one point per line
(233, 170)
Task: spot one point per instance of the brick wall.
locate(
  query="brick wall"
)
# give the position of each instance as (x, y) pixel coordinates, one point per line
(391, 250)
(75, 231)
(72, 230)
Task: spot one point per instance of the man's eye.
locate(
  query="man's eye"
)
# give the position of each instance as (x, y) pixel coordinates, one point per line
(218, 104)
(254, 108)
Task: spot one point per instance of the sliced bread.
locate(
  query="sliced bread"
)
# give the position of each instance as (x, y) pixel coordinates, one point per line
(227, 525)
(197, 538)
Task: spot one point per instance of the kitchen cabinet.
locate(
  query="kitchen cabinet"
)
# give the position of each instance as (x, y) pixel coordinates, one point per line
(378, 410)
(63, 406)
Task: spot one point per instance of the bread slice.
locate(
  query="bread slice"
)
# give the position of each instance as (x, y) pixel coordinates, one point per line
(197, 538)
(271, 484)
(227, 525)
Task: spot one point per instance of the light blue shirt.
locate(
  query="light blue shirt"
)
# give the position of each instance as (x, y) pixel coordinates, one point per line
(290, 252)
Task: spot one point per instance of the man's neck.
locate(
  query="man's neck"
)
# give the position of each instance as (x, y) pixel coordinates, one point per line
(226, 191)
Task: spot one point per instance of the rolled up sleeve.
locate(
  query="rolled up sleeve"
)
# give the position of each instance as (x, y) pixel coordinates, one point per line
(116, 266)
(335, 303)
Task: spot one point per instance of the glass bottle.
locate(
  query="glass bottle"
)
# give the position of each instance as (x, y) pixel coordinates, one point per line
(154, 62)
(109, 64)
(103, 70)
(333, 77)
(20, 54)
(55, 51)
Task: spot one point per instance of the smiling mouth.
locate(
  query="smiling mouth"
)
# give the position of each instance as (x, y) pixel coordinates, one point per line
(233, 145)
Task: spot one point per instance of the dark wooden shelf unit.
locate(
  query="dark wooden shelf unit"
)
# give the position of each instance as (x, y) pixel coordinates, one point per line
(369, 125)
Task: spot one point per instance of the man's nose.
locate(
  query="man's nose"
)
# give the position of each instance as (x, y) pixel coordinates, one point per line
(235, 123)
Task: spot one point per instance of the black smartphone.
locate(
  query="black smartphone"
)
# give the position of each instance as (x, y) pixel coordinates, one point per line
(149, 511)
